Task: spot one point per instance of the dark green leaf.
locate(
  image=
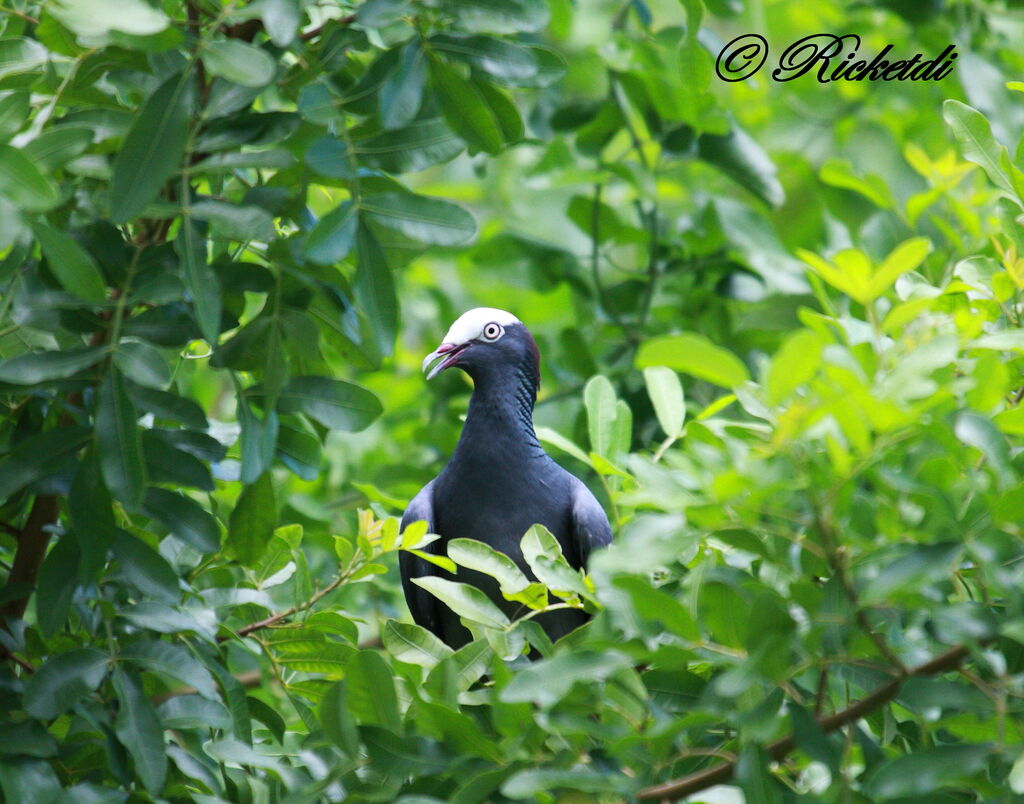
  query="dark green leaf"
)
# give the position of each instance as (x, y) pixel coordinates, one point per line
(145, 569)
(23, 184)
(166, 405)
(166, 659)
(139, 730)
(37, 367)
(401, 94)
(330, 157)
(118, 442)
(334, 403)
(58, 579)
(183, 517)
(153, 148)
(73, 266)
(371, 691)
(92, 517)
(917, 776)
(38, 456)
(200, 280)
(63, 681)
(252, 520)
(336, 719)
(142, 364)
(465, 108)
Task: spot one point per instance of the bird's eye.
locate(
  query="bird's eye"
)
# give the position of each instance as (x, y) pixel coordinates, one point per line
(492, 331)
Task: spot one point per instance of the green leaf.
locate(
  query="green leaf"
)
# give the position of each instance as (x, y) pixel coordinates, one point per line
(270, 159)
(193, 712)
(546, 682)
(38, 456)
(239, 62)
(138, 729)
(235, 222)
(166, 405)
(157, 656)
(655, 604)
(145, 569)
(918, 566)
(465, 108)
(693, 354)
(372, 698)
(401, 94)
(336, 719)
(427, 220)
(200, 280)
(336, 404)
(153, 149)
(37, 367)
(92, 517)
(740, 157)
(907, 256)
(599, 399)
(19, 54)
(73, 266)
(281, 20)
(63, 681)
(28, 739)
(330, 157)
(375, 289)
(14, 113)
(533, 783)
(54, 148)
(502, 59)
(753, 777)
(465, 600)
(979, 432)
(974, 134)
(93, 18)
(23, 184)
(511, 17)
(58, 579)
(142, 364)
(253, 519)
(331, 238)
(407, 150)
(118, 442)
(183, 517)
(795, 363)
(478, 556)
(839, 173)
(917, 775)
(666, 393)
(413, 644)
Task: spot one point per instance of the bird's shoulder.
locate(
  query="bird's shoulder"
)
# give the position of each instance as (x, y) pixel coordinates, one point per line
(421, 507)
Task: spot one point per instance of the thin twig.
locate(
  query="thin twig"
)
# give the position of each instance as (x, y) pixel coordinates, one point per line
(718, 774)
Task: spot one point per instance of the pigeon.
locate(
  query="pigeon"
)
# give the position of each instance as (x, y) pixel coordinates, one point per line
(499, 480)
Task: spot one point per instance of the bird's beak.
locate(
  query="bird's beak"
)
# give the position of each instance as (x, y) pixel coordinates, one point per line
(449, 351)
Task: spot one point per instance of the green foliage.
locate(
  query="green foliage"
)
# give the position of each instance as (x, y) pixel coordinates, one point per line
(783, 338)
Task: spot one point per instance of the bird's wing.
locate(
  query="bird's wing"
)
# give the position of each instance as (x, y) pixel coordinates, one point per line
(590, 528)
(422, 604)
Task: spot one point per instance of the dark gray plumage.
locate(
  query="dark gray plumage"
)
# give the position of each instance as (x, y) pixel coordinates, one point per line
(499, 481)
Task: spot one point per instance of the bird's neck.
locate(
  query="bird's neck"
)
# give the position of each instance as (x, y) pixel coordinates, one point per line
(500, 418)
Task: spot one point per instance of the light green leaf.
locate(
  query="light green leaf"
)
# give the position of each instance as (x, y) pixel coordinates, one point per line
(795, 363)
(239, 62)
(546, 682)
(414, 645)
(236, 222)
(974, 134)
(907, 256)
(666, 393)
(465, 600)
(915, 776)
(693, 354)
(19, 54)
(599, 399)
(23, 184)
(93, 18)
(482, 557)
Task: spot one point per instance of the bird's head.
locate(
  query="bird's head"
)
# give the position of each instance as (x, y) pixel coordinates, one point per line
(486, 342)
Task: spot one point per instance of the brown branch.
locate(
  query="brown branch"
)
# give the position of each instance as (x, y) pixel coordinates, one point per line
(32, 543)
(274, 619)
(723, 772)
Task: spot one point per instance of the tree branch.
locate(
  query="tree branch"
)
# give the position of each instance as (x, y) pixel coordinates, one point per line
(723, 772)
(274, 619)
(32, 543)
